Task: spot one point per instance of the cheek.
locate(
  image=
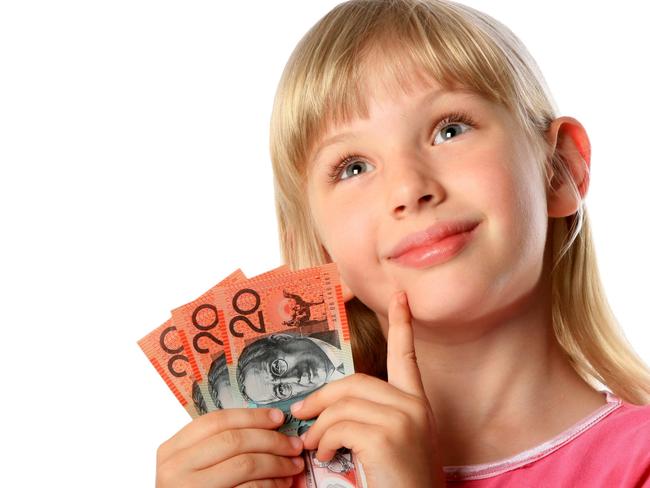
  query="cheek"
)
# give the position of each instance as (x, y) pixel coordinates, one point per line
(346, 230)
(353, 246)
(515, 205)
(505, 186)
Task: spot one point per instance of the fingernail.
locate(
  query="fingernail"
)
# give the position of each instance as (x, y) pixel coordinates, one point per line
(297, 461)
(276, 415)
(303, 435)
(296, 406)
(401, 298)
(295, 442)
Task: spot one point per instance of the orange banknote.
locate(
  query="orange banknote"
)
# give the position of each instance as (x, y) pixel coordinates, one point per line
(198, 327)
(285, 336)
(164, 349)
(264, 341)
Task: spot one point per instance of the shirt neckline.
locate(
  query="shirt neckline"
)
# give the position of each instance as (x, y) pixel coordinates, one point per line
(486, 470)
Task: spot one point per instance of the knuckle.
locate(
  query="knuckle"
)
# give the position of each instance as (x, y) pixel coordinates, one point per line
(421, 411)
(232, 438)
(401, 420)
(280, 439)
(380, 437)
(160, 453)
(214, 419)
(245, 463)
(339, 429)
(274, 483)
(165, 476)
(254, 484)
(361, 377)
(345, 403)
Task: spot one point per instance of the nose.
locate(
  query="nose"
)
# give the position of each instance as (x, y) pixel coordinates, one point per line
(411, 186)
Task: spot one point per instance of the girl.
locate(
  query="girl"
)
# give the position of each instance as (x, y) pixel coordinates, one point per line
(416, 144)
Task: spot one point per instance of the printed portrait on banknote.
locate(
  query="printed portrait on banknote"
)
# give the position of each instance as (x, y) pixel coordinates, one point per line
(281, 366)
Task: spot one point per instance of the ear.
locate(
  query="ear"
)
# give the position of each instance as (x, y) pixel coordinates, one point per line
(569, 140)
(347, 293)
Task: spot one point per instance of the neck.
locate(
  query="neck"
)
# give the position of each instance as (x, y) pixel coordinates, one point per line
(501, 385)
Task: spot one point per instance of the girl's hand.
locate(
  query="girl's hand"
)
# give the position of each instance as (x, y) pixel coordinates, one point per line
(237, 447)
(389, 427)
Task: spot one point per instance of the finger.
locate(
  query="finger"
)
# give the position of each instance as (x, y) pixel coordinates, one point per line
(357, 385)
(401, 363)
(217, 421)
(353, 435)
(230, 443)
(274, 483)
(349, 409)
(249, 467)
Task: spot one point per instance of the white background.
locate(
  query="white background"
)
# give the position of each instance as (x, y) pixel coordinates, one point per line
(135, 174)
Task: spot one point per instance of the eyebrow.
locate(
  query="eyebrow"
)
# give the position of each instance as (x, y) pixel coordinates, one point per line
(344, 136)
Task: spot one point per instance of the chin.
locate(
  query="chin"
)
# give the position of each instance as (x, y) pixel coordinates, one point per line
(443, 303)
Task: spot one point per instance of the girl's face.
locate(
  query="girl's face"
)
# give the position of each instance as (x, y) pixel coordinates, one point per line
(408, 172)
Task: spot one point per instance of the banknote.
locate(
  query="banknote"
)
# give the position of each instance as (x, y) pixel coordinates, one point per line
(164, 349)
(296, 322)
(342, 471)
(197, 326)
(285, 336)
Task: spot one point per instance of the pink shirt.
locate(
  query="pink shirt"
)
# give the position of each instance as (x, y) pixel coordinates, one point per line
(609, 448)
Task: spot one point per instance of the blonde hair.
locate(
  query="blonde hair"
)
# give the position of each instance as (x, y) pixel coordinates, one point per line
(455, 45)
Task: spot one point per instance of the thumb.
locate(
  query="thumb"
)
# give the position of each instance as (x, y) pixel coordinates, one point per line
(401, 363)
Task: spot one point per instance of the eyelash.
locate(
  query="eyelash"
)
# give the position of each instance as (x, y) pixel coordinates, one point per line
(448, 119)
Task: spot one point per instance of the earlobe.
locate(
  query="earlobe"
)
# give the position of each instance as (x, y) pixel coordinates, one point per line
(347, 293)
(345, 289)
(570, 142)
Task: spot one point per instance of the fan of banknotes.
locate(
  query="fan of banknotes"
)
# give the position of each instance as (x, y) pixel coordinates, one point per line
(267, 341)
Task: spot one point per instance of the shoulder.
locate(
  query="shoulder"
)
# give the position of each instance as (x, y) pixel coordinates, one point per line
(622, 446)
(629, 422)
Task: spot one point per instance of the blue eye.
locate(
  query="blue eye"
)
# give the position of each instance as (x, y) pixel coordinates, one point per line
(454, 119)
(341, 168)
(447, 125)
(449, 130)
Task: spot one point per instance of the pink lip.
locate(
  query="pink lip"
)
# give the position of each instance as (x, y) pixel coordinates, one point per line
(435, 244)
